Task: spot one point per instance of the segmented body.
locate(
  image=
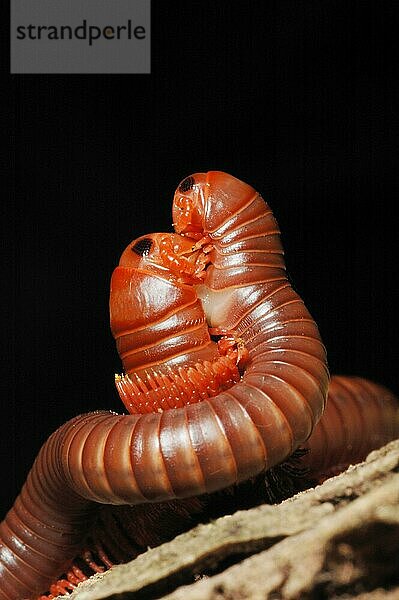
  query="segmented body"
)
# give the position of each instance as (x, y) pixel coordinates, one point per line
(360, 416)
(197, 425)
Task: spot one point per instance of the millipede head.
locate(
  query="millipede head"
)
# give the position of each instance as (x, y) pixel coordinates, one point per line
(167, 255)
(189, 205)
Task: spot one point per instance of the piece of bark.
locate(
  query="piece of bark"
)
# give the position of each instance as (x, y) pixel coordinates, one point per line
(338, 540)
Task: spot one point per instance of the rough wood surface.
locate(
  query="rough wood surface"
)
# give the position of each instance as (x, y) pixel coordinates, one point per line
(338, 540)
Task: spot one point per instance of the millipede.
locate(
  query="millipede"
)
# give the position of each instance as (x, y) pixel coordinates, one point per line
(224, 378)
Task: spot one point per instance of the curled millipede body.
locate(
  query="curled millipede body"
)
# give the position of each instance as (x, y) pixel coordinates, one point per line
(225, 377)
(360, 416)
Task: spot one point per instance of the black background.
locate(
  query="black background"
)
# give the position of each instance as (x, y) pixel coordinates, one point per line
(296, 98)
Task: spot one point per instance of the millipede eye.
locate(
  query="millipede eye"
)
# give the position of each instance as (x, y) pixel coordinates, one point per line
(186, 184)
(142, 247)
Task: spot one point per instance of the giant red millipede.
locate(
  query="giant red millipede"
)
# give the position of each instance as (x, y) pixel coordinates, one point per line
(225, 376)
